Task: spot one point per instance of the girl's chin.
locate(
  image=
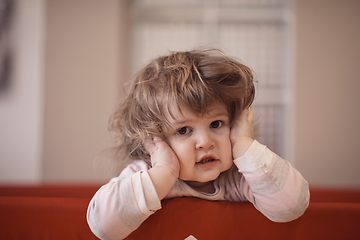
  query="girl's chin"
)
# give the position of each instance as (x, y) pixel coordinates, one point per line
(201, 179)
(204, 176)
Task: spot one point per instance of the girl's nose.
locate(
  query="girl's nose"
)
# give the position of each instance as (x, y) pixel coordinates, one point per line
(204, 141)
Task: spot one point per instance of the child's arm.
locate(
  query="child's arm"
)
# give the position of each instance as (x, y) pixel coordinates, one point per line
(120, 206)
(275, 188)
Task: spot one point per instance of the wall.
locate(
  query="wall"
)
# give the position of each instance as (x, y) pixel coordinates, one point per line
(52, 126)
(81, 87)
(327, 93)
(21, 105)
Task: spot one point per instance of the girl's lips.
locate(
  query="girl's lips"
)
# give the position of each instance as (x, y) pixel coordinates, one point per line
(207, 161)
(206, 158)
(207, 164)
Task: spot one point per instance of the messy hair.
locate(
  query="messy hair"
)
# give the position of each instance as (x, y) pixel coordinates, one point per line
(191, 79)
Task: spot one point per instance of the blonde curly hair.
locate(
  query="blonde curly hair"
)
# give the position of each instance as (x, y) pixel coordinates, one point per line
(193, 79)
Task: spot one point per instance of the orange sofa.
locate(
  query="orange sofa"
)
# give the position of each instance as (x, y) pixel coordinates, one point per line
(59, 212)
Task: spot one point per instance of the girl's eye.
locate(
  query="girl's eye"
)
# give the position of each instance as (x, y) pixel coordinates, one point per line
(216, 124)
(183, 130)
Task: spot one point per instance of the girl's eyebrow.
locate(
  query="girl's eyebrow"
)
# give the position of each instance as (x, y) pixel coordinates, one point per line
(212, 114)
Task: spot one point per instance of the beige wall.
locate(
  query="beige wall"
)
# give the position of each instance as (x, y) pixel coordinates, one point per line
(327, 93)
(21, 104)
(82, 69)
(81, 86)
(84, 65)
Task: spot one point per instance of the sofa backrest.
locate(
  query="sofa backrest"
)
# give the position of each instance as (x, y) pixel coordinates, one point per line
(59, 212)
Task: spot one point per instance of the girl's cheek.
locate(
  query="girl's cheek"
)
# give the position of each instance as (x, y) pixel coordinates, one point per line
(175, 146)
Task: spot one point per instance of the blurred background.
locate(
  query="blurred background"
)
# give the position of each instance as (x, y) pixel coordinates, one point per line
(64, 63)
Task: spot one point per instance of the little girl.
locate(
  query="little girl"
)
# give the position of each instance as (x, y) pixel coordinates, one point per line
(187, 127)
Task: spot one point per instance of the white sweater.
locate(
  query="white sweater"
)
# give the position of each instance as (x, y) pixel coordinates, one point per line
(260, 176)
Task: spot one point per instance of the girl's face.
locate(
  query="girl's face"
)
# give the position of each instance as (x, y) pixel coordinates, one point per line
(201, 143)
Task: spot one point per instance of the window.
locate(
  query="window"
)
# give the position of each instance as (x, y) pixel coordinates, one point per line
(257, 32)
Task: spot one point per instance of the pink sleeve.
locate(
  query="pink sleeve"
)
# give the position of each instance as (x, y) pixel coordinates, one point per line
(120, 206)
(274, 187)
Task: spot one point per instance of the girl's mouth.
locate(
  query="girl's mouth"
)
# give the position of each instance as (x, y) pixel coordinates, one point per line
(206, 160)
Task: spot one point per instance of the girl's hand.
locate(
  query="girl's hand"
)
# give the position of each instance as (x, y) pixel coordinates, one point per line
(165, 165)
(242, 133)
(162, 155)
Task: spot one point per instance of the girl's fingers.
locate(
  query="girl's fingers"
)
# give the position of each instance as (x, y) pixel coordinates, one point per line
(157, 139)
(251, 116)
(149, 145)
(247, 115)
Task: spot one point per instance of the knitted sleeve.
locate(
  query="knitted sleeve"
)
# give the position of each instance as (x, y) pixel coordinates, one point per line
(275, 188)
(120, 206)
